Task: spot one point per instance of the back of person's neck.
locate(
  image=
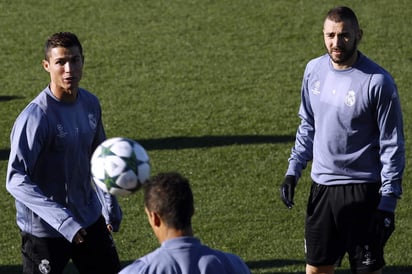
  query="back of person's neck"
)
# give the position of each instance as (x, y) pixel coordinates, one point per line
(170, 233)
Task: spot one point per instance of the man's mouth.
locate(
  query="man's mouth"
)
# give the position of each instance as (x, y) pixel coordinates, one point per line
(69, 79)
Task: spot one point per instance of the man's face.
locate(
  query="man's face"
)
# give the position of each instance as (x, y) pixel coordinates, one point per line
(65, 66)
(341, 41)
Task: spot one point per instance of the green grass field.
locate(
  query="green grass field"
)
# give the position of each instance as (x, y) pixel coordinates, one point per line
(210, 89)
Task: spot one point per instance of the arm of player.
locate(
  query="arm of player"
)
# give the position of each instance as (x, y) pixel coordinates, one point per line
(302, 151)
(27, 135)
(111, 210)
(392, 154)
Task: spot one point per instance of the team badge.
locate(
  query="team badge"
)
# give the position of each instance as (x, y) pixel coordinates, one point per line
(61, 132)
(92, 121)
(350, 98)
(44, 266)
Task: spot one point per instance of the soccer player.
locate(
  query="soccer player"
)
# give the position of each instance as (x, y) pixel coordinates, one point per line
(59, 212)
(168, 201)
(351, 128)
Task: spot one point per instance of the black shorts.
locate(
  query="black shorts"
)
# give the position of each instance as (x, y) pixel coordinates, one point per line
(97, 254)
(337, 222)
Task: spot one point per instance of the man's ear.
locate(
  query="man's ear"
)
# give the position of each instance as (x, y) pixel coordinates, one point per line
(156, 219)
(153, 217)
(46, 65)
(359, 36)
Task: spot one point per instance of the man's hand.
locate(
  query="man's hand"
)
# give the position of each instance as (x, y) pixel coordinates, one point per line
(382, 226)
(287, 190)
(79, 237)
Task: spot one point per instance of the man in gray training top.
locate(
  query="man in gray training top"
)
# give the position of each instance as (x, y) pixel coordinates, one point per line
(351, 127)
(59, 211)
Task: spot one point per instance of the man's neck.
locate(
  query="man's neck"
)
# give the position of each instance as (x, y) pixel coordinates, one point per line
(170, 233)
(68, 96)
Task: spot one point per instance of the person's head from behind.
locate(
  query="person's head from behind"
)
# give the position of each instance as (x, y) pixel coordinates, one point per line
(342, 35)
(168, 201)
(63, 60)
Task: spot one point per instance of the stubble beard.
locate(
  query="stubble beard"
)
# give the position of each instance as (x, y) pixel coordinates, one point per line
(345, 55)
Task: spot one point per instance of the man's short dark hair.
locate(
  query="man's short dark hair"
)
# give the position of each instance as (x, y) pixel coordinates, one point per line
(170, 196)
(340, 14)
(62, 39)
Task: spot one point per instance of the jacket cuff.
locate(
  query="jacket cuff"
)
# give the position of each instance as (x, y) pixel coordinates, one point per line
(388, 203)
(69, 228)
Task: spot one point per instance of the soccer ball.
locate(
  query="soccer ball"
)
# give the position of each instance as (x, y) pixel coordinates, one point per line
(120, 166)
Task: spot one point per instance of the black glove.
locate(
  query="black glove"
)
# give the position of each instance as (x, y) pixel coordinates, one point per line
(287, 190)
(382, 226)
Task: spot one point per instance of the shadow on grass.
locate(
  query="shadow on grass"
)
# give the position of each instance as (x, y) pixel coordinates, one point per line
(17, 269)
(388, 269)
(182, 142)
(5, 98)
(265, 266)
(254, 266)
(11, 269)
(4, 155)
(273, 263)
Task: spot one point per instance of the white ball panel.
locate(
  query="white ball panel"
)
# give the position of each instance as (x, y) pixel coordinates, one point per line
(111, 141)
(140, 153)
(122, 148)
(127, 180)
(98, 168)
(144, 172)
(114, 165)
